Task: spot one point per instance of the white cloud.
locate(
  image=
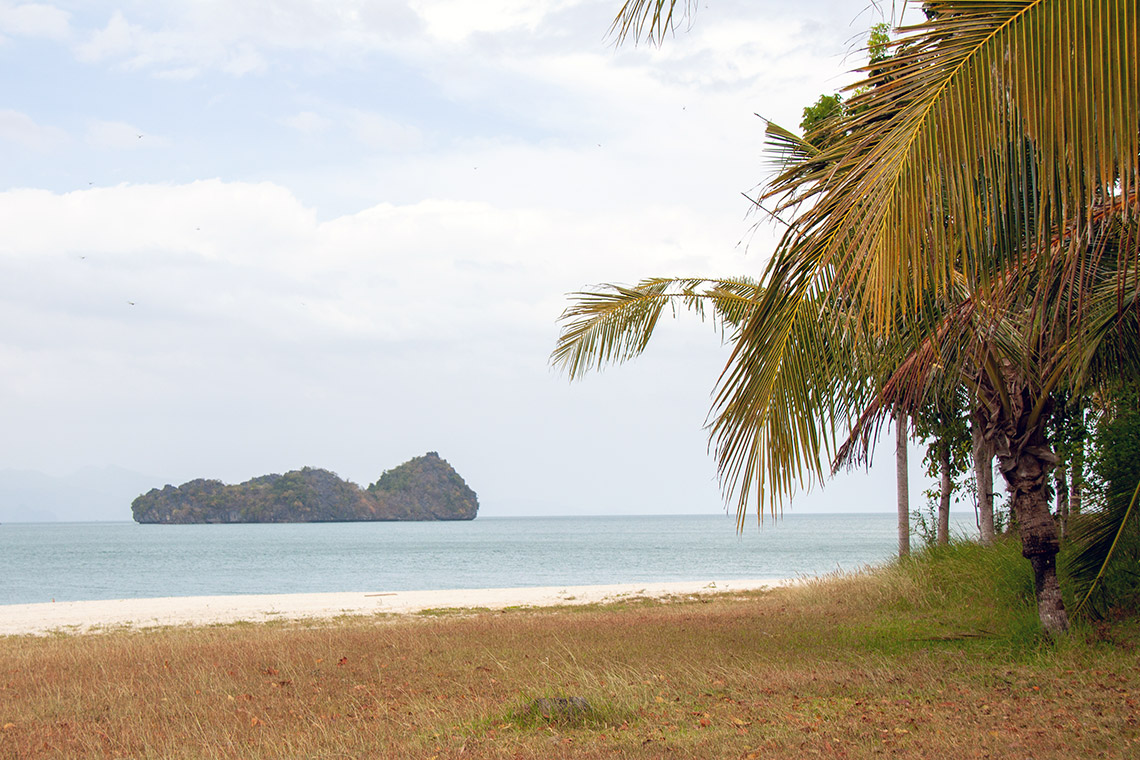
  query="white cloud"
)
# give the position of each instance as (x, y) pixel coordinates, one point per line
(117, 39)
(231, 307)
(180, 40)
(404, 194)
(466, 49)
(456, 20)
(174, 52)
(217, 260)
(19, 128)
(35, 20)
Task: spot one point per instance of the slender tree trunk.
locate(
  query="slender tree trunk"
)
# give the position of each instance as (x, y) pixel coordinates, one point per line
(1076, 479)
(945, 487)
(1025, 458)
(984, 477)
(1061, 488)
(902, 487)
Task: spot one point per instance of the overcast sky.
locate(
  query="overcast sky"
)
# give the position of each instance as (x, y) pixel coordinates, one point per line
(244, 237)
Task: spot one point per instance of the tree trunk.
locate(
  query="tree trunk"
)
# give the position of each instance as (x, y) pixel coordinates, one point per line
(902, 488)
(1061, 487)
(1025, 458)
(943, 531)
(1039, 542)
(984, 477)
(1076, 479)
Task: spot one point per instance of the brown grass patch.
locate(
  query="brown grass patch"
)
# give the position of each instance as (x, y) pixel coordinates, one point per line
(803, 672)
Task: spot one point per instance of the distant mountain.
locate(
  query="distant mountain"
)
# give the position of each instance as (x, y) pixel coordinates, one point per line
(93, 493)
(424, 488)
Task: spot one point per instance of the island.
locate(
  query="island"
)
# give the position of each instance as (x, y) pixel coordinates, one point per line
(423, 488)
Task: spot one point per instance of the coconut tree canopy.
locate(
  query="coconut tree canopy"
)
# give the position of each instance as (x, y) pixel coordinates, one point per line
(972, 220)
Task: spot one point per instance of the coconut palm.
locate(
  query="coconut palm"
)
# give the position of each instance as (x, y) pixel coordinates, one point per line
(990, 173)
(975, 223)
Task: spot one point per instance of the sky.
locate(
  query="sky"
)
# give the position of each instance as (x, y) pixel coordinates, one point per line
(242, 238)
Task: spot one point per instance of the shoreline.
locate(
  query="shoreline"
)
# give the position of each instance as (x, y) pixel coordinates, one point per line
(89, 616)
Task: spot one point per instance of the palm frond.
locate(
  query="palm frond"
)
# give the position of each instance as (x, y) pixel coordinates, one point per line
(1097, 536)
(1101, 283)
(650, 20)
(615, 323)
(978, 103)
(794, 162)
(974, 219)
(786, 148)
(920, 364)
(793, 380)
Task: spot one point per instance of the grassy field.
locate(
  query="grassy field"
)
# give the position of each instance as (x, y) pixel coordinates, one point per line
(934, 658)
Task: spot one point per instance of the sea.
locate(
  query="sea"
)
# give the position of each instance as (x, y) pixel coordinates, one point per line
(43, 562)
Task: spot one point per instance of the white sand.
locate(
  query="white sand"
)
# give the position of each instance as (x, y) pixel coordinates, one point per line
(81, 617)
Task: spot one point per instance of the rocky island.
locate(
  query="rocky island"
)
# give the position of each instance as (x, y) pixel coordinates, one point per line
(424, 488)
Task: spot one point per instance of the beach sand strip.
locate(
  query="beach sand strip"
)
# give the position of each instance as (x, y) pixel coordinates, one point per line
(83, 617)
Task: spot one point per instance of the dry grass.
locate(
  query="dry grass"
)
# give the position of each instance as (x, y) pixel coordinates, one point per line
(856, 667)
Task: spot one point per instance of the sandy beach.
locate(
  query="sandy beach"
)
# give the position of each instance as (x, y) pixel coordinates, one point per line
(83, 617)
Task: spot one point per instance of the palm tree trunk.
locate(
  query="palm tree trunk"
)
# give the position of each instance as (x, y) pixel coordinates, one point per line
(902, 488)
(1039, 542)
(1025, 458)
(984, 478)
(945, 486)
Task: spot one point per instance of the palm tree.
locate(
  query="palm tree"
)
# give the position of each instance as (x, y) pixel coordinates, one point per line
(902, 483)
(983, 461)
(974, 223)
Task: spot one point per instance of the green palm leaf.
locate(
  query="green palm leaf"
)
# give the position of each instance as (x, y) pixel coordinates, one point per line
(650, 20)
(1096, 538)
(978, 103)
(614, 324)
(787, 388)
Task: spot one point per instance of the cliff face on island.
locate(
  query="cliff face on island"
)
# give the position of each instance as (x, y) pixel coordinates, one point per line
(424, 488)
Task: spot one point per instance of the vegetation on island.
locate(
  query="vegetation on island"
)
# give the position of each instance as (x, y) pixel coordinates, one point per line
(961, 237)
(423, 488)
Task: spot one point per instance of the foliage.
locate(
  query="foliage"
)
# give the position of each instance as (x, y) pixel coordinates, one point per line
(1106, 538)
(952, 578)
(424, 488)
(1115, 459)
(650, 20)
(866, 305)
(878, 43)
(942, 425)
(1069, 431)
(974, 221)
(823, 121)
(924, 521)
(1070, 427)
(945, 421)
(616, 322)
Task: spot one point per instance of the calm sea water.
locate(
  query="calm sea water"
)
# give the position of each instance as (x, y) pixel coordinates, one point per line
(76, 561)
